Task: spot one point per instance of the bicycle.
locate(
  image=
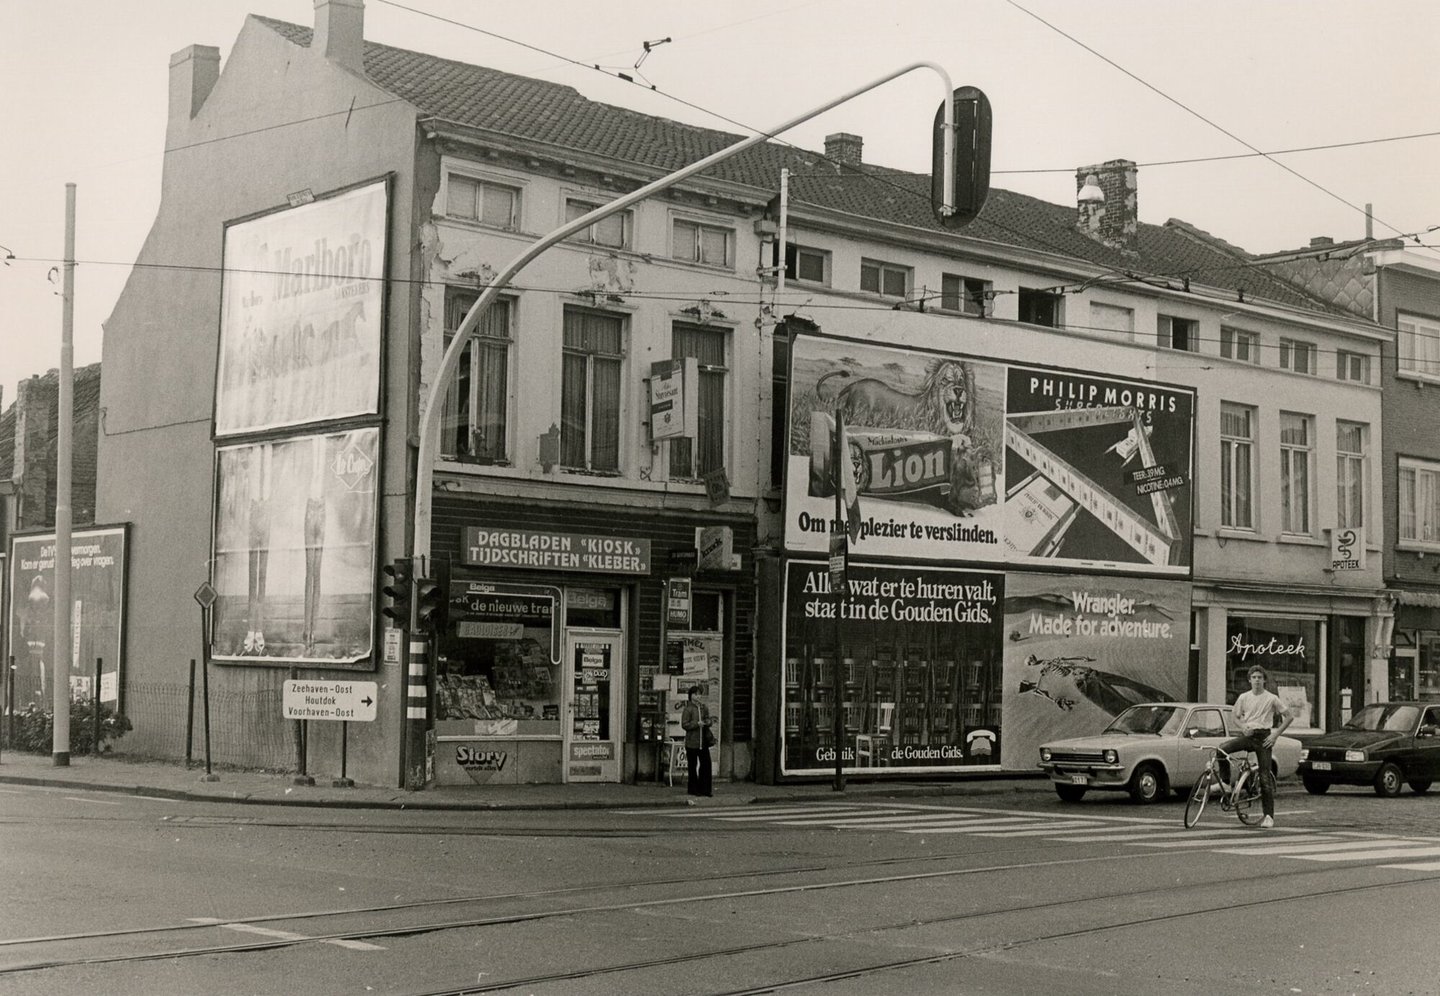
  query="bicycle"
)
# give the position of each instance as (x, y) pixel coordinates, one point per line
(1243, 796)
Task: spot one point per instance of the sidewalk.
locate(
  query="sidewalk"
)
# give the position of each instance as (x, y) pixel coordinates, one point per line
(168, 780)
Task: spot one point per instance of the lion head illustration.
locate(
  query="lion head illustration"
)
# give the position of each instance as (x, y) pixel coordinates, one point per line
(943, 403)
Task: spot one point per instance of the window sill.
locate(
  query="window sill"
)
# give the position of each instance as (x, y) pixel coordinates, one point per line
(1417, 546)
(1420, 379)
(1227, 533)
(1295, 540)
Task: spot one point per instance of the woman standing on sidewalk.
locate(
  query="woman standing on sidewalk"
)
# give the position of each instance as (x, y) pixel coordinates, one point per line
(695, 719)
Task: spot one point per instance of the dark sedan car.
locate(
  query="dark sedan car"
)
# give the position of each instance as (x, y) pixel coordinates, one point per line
(1387, 745)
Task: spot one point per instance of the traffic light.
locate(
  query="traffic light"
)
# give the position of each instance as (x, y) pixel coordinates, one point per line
(397, 590)
(971, 161)
(430, 605)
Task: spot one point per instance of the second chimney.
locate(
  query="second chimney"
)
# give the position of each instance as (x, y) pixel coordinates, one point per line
(1116, 221)
(340, 32)
(193, 73)
(843, 148)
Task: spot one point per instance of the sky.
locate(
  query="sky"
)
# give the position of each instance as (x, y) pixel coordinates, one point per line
(85, 87)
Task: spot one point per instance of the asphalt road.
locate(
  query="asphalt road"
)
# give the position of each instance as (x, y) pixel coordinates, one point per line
(841, 895)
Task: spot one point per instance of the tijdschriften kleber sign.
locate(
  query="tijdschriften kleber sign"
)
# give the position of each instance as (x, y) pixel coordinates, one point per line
(535, 550)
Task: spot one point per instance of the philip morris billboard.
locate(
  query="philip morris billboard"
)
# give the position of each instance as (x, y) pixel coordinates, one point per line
(962, 459)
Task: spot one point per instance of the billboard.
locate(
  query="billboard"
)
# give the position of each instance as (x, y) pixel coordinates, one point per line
(910, 658)
(294, 564)
(1079, 649)
(300, 318)
(97, 615)
(957, 458)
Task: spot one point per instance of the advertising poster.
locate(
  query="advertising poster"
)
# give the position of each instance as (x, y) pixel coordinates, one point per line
(1098, 472)
(1079, 650)
(301, 312)
(295, 549)
(925, 437)
(97, 616)
(911, 658)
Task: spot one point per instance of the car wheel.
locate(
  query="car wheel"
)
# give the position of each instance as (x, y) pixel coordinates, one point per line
(1315, 786)
(1070, 793)
(1148, 784)
(1420, 786)
(1388, 780)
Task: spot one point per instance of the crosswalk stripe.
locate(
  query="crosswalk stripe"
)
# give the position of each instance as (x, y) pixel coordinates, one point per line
(1035, 833)
(1316, 844)
(1384, 852)
(1151, 835)
(887, 825)
(1424, 866)
(975, 828)
(1225, 837)
(909, 818)
(769, 818)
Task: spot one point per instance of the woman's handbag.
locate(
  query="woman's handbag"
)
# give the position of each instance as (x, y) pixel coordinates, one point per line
(707, 737)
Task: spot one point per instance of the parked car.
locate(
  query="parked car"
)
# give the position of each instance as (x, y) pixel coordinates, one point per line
(1386, 745)
(1148, 750)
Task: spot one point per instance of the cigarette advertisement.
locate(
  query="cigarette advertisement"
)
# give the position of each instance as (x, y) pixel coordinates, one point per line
(959, 459)
(295, 549)
(902, 673)
(301, 314)
(1081, 649)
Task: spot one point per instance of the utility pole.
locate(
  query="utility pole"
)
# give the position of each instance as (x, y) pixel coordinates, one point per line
(60, 654)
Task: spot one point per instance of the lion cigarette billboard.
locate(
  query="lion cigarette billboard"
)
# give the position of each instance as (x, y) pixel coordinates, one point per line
(962, 459)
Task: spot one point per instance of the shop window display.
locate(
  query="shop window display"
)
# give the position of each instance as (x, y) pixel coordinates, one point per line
(1289, 649)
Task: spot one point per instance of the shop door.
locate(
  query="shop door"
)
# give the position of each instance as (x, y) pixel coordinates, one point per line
(1402, 673)
(594, 680)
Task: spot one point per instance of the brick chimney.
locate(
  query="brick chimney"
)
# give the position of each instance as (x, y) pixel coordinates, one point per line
(193, 73)
(340, 32)
(843, 148)
(1113, 222)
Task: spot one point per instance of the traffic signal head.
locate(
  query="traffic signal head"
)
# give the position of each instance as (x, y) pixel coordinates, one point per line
(397, 589)
(430, 605)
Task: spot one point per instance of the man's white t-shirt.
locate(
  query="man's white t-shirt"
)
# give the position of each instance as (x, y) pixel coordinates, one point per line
(1258, 710)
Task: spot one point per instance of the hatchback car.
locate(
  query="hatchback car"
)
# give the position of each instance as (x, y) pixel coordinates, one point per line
(1385, 745)
(1150, 749)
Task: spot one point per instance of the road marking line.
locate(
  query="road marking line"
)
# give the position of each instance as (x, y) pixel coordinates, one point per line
(284, 935)
(974, 827)
(1384, 852)
(779, 817)
(1318, 844)
(1036, 833)
(1424, 866)
(93, 802)
(907, 818)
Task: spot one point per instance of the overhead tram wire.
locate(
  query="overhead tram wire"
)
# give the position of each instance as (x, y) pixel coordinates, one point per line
(1190, 110)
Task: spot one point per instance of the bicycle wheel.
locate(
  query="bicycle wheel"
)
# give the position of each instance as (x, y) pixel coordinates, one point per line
(1199, 795)
(1247, 798)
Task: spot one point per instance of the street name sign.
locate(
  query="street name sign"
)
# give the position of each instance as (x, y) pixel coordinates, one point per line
(347, 701)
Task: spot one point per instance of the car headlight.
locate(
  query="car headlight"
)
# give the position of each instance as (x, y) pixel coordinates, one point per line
(1110, 757)
(1304, 753)
(1044, 753)
(1354, 755)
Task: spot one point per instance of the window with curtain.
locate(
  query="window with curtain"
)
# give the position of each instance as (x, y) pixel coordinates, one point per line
(1350, 474)
(1296, 442)
(1419, 500)
(1419, 344)
(481, 200)
(591, 367)
(708, 347)
(613, 231)
(474, 426)
(1237, 469)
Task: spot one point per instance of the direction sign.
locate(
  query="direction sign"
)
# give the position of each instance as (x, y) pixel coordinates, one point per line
(347, 701)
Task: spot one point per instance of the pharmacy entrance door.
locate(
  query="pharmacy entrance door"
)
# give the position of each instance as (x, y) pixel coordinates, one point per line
(594, 682)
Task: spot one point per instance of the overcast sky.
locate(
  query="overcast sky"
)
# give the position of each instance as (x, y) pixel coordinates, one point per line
(85, 83)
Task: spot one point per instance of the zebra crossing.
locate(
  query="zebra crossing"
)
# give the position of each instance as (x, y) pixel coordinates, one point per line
(1411, 853)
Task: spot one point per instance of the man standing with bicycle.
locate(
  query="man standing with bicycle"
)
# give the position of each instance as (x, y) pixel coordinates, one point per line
(1257, 713)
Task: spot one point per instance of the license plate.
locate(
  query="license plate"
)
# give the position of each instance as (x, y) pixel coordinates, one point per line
(1079, 779)
(1320, 765)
